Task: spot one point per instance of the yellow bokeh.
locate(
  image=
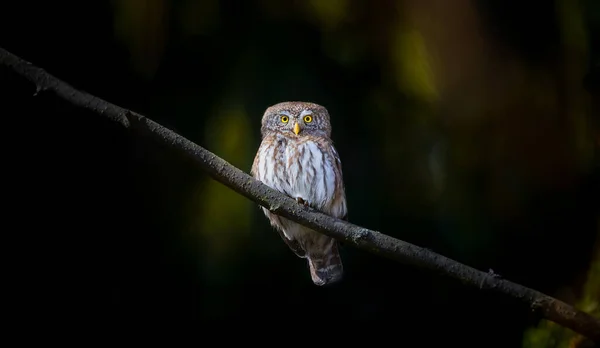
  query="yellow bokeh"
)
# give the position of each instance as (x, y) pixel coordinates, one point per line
(414, 73)
(222, 215)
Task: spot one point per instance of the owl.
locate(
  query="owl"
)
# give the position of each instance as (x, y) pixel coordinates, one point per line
(297, 157)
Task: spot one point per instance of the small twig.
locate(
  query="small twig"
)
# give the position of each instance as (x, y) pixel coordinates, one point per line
(362, 238)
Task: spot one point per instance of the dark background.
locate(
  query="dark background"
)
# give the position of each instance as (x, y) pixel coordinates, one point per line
(467, 127)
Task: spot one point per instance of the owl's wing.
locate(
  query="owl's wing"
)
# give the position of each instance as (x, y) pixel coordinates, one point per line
(338, 164)
(293, 244)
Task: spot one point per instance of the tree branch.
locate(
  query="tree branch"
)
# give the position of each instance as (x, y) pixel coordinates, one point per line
(359, 237)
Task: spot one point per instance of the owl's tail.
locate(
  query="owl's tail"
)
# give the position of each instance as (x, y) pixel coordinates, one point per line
(325, 263)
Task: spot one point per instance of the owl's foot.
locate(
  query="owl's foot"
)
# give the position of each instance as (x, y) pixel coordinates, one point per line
(301, 201)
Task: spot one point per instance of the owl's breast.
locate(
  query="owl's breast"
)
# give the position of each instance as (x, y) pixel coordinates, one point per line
(310, 173)
(270, 164)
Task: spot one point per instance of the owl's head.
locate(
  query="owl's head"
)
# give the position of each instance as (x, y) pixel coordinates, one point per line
(296, 119)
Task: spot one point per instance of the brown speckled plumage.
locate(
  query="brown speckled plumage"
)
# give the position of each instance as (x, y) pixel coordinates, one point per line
(306, 167)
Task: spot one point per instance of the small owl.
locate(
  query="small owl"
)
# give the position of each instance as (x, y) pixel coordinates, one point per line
(297, 157)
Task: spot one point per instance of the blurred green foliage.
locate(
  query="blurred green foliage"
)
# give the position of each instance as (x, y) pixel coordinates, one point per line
(223, 215)
(551, 335)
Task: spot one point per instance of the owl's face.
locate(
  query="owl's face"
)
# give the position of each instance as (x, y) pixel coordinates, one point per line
(296, 119)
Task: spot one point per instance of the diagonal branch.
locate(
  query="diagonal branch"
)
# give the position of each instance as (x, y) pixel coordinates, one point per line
(362, 238)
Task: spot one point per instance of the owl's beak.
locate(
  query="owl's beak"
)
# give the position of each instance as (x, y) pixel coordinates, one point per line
(297, 128)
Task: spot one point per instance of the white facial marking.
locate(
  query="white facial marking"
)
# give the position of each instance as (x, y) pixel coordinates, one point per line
(305, 112)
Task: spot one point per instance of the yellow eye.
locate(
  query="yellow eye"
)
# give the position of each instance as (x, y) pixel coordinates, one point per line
(308, 118)
(285, 119)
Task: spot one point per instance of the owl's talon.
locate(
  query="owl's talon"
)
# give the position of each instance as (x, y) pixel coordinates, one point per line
(301, 201)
